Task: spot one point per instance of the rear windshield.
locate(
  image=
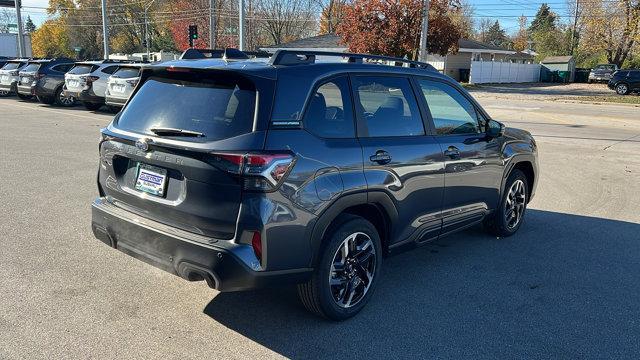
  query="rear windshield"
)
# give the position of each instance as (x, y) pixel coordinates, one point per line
(126, 73)
(11, 66)
(81, 69)
(605, 67)
(219, 109)
(31, 67)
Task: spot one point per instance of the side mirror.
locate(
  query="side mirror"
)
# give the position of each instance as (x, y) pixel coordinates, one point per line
(495, 129)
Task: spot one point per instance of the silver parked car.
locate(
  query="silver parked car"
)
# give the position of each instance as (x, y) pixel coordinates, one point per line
(120, 85)
(9, 76)
(87, 81)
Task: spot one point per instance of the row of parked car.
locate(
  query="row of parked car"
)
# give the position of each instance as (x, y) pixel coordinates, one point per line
(65, 82)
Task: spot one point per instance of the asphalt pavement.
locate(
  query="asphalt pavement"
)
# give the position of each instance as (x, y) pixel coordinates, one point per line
(566, 286)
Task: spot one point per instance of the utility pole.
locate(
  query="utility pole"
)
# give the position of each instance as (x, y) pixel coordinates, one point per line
(212, 24)
(21, 47)
(575, 26)
(422, 55)
(146, 28)
(105, 30)
(241, 26)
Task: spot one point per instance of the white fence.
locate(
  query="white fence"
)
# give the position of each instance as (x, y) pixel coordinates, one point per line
(483, 72)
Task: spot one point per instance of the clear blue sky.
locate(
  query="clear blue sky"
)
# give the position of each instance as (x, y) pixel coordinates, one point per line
(507, 12)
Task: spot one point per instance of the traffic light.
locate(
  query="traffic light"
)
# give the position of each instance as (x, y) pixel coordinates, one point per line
(193, 34)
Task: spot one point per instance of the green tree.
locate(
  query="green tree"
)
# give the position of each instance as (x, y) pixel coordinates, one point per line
(548, 39)
(496, 35)
(29, 26)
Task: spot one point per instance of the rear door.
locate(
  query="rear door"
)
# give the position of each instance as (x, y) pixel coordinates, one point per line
(634, 79)
(400, 158)
(473, 162)
(183, 180)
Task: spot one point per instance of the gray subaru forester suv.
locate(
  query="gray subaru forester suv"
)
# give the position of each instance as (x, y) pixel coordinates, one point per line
(303, 170)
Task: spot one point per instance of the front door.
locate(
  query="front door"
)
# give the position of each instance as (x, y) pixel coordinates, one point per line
(473, 162)
(400, 159)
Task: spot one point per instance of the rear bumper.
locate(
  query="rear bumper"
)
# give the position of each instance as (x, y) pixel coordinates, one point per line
(26, 89)
(115, 101)
(9, 87)
(224, 265)
(85, 96)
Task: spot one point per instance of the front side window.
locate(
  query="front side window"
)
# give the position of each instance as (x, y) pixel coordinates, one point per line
(387, 106)
(452, 113)
(329, 112)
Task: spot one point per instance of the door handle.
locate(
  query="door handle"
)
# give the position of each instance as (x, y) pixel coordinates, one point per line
(381, 157)
(452, 152)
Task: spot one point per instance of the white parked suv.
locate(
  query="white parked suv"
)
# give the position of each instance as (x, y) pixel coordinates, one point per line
(120, 85)
(87, 81)
(9, 76)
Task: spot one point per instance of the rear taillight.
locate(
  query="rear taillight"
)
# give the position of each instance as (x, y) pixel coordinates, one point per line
(132, 82)
(259, 172)
(38, 76)
(256, 244)
(14, 73)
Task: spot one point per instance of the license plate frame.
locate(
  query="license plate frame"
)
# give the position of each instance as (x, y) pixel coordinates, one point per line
(118, 88)
(151, 179)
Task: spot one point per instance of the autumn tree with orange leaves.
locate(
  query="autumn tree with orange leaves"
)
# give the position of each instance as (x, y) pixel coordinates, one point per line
(393, 27)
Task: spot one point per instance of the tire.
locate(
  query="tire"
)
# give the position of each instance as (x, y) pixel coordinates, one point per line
(92, 106)
(4, 93)
(622, 89)
(516, 190)
(332, 301)
(46, 99)
(64, 101)
(24, 97)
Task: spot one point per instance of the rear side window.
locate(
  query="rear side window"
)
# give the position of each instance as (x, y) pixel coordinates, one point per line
(219, 109)
(31, 67)
(329, 112)
(81, 69)
(126, 73)
(11, 66)
(452, 113)
(62, 67)
(387, 106)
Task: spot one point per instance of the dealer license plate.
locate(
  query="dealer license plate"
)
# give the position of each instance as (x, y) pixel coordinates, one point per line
(151, 179)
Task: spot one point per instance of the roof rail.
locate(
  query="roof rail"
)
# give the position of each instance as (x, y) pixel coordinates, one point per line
(304, 57)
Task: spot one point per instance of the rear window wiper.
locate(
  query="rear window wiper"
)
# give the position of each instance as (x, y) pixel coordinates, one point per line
(176, 132)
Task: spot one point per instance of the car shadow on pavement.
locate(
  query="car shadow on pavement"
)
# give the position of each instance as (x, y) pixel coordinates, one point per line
(564, 286)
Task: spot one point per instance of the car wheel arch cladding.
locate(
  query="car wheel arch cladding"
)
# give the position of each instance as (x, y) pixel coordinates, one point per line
(524, 164)
(326, 221)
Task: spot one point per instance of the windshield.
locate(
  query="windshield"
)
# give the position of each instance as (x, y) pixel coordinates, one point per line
(11, 66)
(126, 73)
(219, 109)
(81, 69)
(31, 67)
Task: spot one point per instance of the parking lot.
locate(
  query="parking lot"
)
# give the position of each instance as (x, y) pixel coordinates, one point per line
(566, 286)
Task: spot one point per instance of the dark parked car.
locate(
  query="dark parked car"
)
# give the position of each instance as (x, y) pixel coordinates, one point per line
(9, 76)
(44, 79)
(247, 174)
(625, 81)
(602, 73)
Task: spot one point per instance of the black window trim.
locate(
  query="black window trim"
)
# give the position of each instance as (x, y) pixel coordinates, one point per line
(478, 109)
(362, 130)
